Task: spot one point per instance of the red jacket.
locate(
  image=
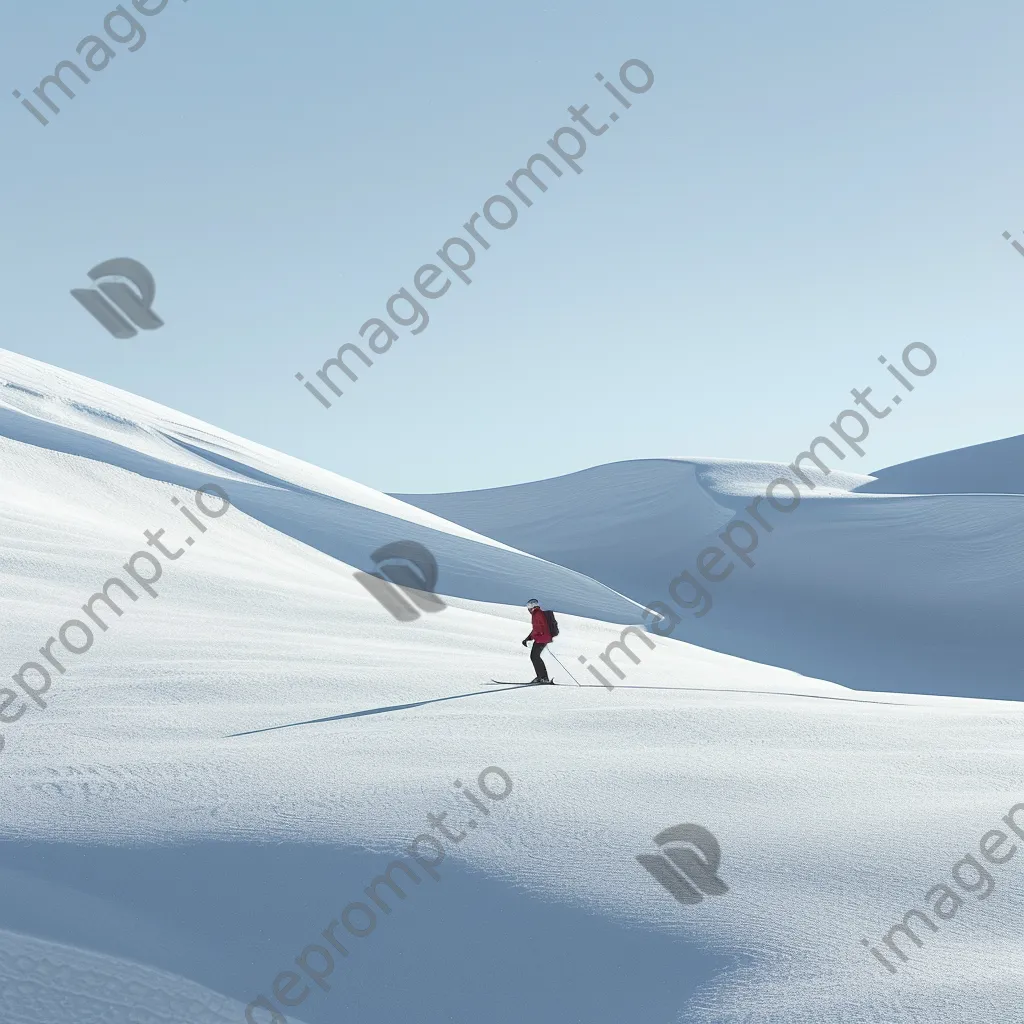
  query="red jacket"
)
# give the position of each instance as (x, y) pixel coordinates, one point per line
(541, 634)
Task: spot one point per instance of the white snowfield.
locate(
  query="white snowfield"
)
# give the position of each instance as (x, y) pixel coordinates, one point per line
(199, 808)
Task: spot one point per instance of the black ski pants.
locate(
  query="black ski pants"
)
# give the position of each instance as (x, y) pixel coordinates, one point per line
(538, 664)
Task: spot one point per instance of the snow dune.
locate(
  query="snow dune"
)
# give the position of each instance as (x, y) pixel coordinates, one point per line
(229, 766)
(996, 467)
(909, 579)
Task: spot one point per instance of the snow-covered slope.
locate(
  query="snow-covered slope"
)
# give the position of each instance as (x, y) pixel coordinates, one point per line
(231, 765)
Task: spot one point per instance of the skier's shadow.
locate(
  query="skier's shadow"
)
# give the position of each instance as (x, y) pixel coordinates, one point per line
(374, 711)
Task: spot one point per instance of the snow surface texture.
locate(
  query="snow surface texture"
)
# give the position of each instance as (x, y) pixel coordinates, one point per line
(160, 866)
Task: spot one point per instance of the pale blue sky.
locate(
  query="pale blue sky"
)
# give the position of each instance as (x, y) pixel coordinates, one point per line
(805, 187)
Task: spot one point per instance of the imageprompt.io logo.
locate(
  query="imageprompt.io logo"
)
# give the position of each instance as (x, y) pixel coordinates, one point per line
(413, 571)
(688, 875)
(121, 309)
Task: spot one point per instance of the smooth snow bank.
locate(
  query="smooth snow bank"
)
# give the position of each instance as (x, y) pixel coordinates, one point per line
(626, 523)
(996, 467)
(343, 519)
(160, 866)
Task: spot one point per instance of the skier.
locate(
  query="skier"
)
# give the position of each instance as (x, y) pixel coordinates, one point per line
(541, 637)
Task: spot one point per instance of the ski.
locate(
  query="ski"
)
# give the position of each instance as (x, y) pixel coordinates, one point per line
(505, 682)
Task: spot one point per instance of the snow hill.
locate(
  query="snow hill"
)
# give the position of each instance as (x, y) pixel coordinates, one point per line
(909, 579)
(201, 801)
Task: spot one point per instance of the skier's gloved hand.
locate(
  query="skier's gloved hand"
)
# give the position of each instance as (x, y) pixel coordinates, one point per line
(525, 642)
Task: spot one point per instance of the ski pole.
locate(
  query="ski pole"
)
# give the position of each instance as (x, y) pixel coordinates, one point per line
(565, 670)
